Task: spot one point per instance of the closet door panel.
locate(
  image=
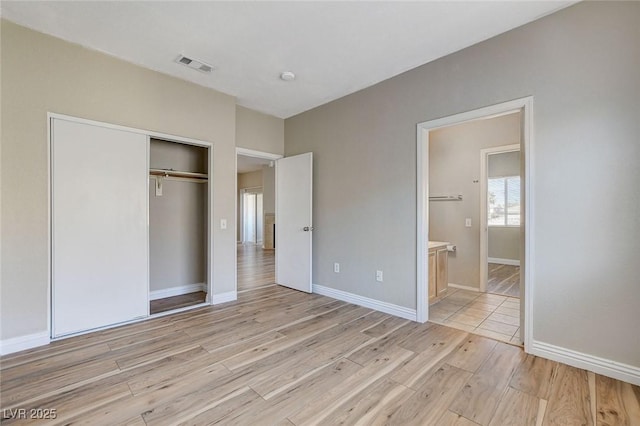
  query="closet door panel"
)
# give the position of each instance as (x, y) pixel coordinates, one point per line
(99, 226)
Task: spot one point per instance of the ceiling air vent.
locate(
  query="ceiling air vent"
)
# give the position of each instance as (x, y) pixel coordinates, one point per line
(194, 63)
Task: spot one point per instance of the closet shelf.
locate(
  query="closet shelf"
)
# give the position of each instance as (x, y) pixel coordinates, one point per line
(176, 173)
(446, 198)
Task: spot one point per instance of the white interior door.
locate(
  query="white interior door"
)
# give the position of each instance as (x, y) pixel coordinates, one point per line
(99, 226)
(294, 224)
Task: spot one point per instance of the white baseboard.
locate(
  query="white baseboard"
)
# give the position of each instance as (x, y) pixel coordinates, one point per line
(512, 262)
(606, 367)
(464, 287)
(387, 308)
(229, 296)
(176, 291)
(21, 343)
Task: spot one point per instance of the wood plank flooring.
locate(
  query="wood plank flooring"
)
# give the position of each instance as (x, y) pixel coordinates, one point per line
(281, 357)
(256, 267)
(504, 280)
(177, 302)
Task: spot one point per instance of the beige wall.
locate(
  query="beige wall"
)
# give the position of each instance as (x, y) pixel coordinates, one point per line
(269, 189)
(258, 131)
(454, 168)
(177, 218)
(503, 242)
(581, 65)
(41, 74)
(250, 180)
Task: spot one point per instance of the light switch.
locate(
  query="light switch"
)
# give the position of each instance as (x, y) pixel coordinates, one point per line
(223, 223)
(467, 222)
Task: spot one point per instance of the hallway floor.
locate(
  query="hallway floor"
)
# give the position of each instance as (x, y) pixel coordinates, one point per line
(256, 267)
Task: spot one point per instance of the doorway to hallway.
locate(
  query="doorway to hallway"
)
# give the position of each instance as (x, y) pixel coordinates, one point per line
(256, 267)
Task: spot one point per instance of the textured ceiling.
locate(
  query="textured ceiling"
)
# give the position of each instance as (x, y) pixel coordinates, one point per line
(335, 48)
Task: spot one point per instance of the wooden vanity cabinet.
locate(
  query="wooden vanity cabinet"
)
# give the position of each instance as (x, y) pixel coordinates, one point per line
(432, 275)
(438, 272)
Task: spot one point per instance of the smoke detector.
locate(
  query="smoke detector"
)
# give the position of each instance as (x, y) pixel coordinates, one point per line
(287, 76)
(194, 64)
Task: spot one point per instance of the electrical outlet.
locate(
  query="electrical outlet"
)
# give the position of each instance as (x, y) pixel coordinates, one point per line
(379, 276)
(467, 222)
(336, 267)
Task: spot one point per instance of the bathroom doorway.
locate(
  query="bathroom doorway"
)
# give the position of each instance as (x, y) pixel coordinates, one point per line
(467, 293)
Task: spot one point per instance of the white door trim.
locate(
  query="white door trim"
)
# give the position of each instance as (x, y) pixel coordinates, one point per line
(150, 134)
(422, 192)
(484, 229)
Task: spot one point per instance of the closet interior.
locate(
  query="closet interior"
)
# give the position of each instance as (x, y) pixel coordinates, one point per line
(178, 200)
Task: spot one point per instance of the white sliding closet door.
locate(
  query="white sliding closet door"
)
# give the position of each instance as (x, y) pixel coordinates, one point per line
(99, 226)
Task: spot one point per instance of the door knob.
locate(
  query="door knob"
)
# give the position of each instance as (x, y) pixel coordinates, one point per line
(307, 228)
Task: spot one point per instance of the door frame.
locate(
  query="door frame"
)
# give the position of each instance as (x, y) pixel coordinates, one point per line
(255, 154)
(484, 227)
(149, 134)
(422, 205)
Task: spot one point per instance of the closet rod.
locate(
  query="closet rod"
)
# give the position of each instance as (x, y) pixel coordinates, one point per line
(175, 173)
(446, 198)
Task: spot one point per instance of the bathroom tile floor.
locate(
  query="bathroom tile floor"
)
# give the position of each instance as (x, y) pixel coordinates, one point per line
(489, 315)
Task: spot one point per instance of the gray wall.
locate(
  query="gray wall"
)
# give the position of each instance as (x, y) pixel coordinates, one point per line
(581, 65)
(504, 241)
(454, 168)
(177, 225)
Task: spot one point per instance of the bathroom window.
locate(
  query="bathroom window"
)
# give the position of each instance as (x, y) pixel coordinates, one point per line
(504, 201)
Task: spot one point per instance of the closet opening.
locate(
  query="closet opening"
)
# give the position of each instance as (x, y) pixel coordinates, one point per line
(178, 206)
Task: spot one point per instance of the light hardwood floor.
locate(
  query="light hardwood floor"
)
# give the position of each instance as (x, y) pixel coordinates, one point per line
(281, 357)
(504, 280)
(256, 267)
